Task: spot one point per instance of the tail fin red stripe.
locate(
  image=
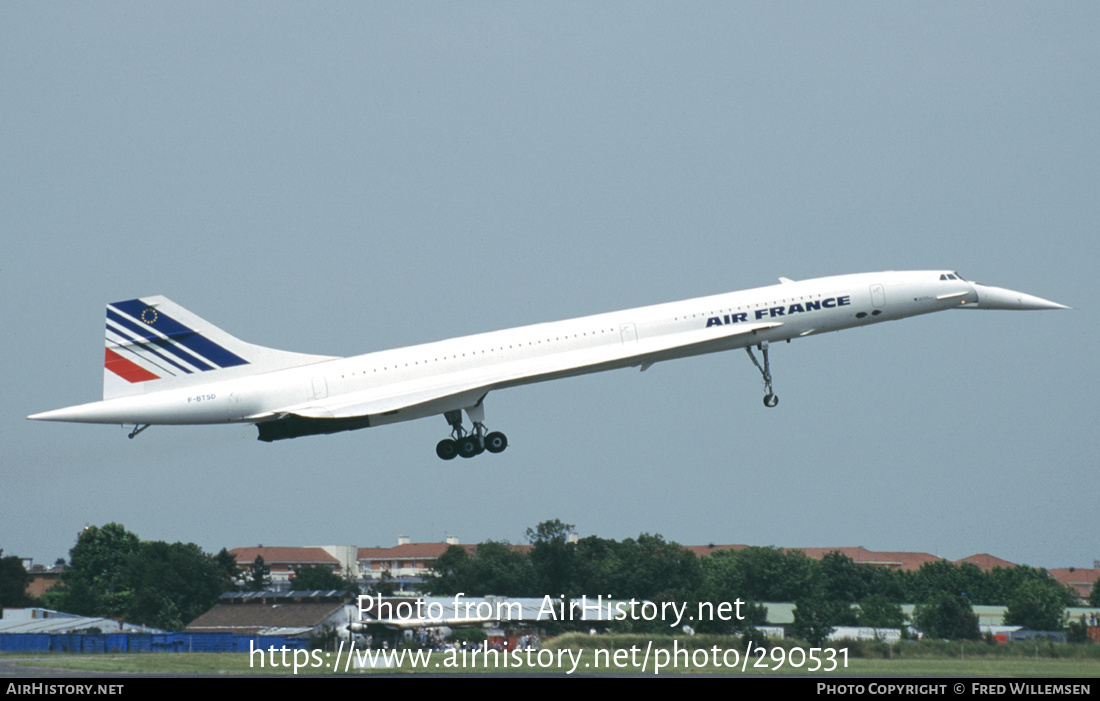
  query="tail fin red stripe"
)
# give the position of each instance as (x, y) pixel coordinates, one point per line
(126, 369)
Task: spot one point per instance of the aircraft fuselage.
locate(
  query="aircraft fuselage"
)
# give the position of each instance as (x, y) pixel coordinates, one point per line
(327, 395)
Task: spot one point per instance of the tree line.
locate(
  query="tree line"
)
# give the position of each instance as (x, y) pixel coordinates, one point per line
(829, 592)
(112, 573)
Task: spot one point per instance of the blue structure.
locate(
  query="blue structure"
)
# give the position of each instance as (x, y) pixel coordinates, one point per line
(145, 642)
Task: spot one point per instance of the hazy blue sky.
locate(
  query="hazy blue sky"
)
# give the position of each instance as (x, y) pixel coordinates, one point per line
(339, 178)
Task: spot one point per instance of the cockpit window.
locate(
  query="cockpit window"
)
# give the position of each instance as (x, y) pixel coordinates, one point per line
(952, 276)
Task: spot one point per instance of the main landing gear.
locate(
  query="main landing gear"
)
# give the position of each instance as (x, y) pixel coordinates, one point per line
(473, 443)
(770, 398)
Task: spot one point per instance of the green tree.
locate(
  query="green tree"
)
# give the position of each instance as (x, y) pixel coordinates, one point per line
(815, 617)
(14, 579)
(1007, 582)
(259, 576)
(1094, 595)
(646, 567)
(947, 616)
(1038, 605)
(112, 573)
(231, 571)
(171, 584)
(753, 575)
(320, 578)
(449, 573)
(599, 566)
(496, 568)
(757, 574)
(877, 611)
(844, 579)
(943, 577)
(94, 582)
(889, 583)
(554, 559)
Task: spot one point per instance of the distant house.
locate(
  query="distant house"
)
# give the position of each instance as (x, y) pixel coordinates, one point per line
(407, 562)
(284, 562)
(1079, 579)
(42, 577)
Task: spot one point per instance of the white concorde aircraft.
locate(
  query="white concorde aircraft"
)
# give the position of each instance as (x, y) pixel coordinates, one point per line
(165, 365)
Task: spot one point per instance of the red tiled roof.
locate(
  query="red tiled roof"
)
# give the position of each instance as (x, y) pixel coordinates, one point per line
(894, 560)
(409, 551)
(1080, 579)
(284, 555)
(704, 550)
(986, 562)
(414, 551)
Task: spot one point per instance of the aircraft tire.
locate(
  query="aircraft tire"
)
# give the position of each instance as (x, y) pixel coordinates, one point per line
(496, 442)
(771, 400)
(446, 449)
(469, 446)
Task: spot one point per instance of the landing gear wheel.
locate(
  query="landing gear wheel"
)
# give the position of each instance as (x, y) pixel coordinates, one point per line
(469, 446)
(496, 442)
(770, 399)
(446, 449)
(476, 442)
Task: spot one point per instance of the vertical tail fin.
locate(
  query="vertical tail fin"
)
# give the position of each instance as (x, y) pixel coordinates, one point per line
(153, 343)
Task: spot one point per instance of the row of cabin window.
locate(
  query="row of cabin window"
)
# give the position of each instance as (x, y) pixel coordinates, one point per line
(491, 350)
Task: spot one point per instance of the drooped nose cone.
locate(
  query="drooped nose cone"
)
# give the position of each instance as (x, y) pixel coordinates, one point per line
(999, 298)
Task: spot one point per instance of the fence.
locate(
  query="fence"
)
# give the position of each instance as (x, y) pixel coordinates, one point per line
(145, 642)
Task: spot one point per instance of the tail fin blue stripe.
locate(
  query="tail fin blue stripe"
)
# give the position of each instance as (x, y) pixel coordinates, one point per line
(158, 359)
(150, 342)
(178, 333)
